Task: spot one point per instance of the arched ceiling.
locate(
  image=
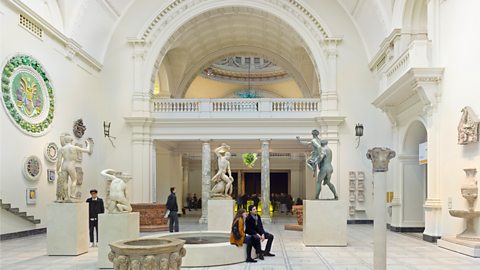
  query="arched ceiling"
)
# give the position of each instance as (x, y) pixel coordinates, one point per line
(199, 43)
(92, 23)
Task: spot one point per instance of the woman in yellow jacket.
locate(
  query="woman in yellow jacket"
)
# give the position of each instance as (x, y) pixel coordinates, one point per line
(238, 229)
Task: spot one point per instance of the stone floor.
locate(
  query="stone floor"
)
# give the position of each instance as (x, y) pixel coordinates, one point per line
(404, 252)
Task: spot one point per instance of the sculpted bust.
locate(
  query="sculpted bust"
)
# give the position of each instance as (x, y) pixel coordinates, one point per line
(380, 157)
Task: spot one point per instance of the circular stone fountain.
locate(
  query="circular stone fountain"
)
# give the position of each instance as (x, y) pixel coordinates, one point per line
(147, 254)
(208, 248)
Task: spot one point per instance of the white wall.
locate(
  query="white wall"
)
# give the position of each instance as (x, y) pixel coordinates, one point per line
(77, 95)
(459, 55)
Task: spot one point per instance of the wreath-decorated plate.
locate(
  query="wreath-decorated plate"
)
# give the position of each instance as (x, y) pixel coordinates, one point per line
(51, 152)
(27, 95)
(32, 168)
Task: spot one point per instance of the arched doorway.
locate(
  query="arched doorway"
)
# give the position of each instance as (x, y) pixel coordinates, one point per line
(413, 178)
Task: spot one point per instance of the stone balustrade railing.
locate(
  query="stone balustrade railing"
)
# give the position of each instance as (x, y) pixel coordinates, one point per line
(210, 107)
(416, 56)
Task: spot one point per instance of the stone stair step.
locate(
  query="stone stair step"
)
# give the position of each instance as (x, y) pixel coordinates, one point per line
(14, 210)
(22, 214)
(6, 206)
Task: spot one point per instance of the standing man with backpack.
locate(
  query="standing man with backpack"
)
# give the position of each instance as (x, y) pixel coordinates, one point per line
(172, 206)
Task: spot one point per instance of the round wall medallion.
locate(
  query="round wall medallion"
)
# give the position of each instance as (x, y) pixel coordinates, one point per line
(27, 95)
(32, 168)
(51, 152)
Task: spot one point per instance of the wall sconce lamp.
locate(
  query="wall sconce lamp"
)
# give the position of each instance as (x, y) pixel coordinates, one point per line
(358, 133)
(106, 132)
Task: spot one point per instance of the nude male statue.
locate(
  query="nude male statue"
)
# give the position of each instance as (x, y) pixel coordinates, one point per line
(321, 159)
(117, 201)
(223, 183)
(67, 159)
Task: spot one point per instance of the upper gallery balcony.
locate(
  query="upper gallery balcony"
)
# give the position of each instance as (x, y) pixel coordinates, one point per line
(266, 108)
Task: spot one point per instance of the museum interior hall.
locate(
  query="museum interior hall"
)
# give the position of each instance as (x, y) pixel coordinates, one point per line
(228, 134)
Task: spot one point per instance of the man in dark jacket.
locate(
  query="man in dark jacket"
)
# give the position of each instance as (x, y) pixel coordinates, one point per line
(173, 208)
(95, 207)
(254, 227)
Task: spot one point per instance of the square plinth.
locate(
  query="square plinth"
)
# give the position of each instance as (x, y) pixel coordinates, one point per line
(115, 227)
(324, 223)
(67, 228)
(470, 248)
(220, 215)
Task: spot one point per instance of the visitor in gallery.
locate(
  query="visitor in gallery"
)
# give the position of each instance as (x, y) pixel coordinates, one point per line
(195, 201)
(238, 237)
(172, 206)
(189, 202)
(254, 227)
(95, 207)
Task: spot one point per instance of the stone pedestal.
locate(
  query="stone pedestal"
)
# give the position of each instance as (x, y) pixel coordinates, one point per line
(115, 227)
(470, 248)
(151, 216)
(324, 223)
(220, 215)
(67, 228)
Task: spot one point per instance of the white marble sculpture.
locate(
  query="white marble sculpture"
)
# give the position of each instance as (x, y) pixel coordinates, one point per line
(116, 200)
(468, 128)
(222, 183)
(67, 162)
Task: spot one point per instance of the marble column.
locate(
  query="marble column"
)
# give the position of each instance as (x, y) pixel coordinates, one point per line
(380, 157)
(185, 170)
(206, 177)
(266, 218)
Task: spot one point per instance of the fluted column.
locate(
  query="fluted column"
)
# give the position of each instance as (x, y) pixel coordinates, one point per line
(266, 181)
(380, 158)
(206, 177)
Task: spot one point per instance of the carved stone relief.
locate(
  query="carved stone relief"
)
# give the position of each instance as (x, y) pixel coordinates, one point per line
(468, 127)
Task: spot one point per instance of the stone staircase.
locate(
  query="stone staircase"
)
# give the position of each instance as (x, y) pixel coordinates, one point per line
(16, 211)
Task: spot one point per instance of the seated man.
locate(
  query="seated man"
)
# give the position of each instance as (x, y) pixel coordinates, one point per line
(254, 227)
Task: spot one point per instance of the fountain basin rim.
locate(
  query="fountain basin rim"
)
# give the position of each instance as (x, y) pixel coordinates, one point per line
(125, 247)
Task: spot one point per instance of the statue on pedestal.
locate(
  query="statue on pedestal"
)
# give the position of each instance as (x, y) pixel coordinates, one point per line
(222, 183)
(66, 167)
(116, 201)
(321, 159)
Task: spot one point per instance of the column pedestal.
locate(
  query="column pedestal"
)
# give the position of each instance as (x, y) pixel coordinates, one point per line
(220, 215)
(115, 227)
(380, 221)
(325, 223)
(67, 228)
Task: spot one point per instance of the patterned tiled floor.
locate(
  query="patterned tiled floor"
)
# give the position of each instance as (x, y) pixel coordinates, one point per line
(404, 252)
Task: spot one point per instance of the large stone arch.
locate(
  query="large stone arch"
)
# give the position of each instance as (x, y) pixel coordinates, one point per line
(314, 34)
(261, 52)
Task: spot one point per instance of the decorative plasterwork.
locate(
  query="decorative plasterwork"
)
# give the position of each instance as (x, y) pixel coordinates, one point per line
(176, 7)
(32, 168)
(385, 53)
(420, 84)
(245, 70)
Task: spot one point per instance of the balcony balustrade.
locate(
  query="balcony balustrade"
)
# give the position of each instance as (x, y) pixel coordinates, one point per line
(238, 108)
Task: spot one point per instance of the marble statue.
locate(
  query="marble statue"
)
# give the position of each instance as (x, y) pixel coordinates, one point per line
(116, 201)
(380, 157)
(320, 162)
(222, 182)
(66, 167)
(468, 128)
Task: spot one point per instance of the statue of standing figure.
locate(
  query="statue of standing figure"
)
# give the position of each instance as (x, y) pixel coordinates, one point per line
(66, 163)
(116, 200)
(222, 183)
(320, 162)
